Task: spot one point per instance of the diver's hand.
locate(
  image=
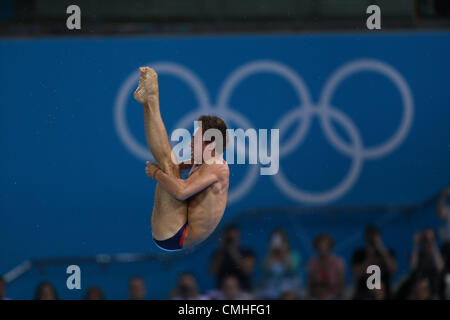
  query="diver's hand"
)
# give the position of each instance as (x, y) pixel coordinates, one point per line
(151, 169)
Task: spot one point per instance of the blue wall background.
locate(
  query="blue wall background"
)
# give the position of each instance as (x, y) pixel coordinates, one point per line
(70, 187)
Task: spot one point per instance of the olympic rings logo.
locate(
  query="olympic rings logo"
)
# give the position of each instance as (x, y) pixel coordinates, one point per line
(304, 112)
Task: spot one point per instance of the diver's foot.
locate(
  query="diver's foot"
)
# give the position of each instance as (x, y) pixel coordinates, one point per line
(148, 85)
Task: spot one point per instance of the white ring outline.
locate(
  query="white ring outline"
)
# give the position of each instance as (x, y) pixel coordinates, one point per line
(273, 67)
(322, 110)
(320, 197)
(375, 66)
(262, 66)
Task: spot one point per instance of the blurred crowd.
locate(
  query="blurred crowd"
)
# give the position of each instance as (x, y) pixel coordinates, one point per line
(233, 267)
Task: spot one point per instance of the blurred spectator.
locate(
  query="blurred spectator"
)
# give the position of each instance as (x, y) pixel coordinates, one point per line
(232, 259)
(362, 292)
(45, 291)
(421, 289)
(289, 295)
(186, 288)
(231, 290)
(326, 271)
(415, 287)
(380, 294)
(280, 266)
(444, 213)
(374, 253)
(137, 289)
(94, 293)
(445, 253)
(426, 260)
(445, 294)
(3, 289)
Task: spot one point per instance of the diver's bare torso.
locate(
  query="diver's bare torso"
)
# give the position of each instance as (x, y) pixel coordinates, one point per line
(201, 212)
(206, 208)
(185, 211)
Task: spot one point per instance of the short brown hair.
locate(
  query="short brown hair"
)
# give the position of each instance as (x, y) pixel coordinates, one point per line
(324, 237)
(213, 122)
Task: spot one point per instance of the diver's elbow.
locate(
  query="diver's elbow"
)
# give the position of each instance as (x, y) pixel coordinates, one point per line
(181, 195)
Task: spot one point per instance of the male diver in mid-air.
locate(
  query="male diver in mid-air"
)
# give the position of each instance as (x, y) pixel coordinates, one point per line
(185, 211)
